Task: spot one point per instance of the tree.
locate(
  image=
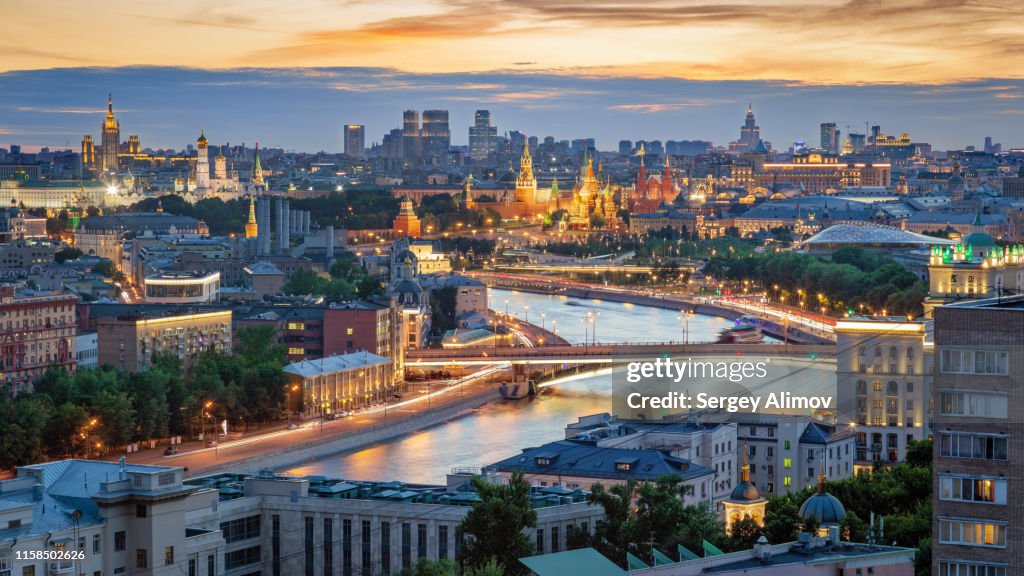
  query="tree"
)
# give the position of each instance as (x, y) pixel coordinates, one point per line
(65, 254)
(442, 309)
(496, 525)
(426, 567)
(781, 519)
(919, 454)
(491, 568)
(745, 533)
(923, 559)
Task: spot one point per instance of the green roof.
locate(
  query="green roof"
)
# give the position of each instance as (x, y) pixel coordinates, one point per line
(583, 561)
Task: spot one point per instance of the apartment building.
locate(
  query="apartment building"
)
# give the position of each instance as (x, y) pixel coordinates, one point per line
(37, 331)
(977, 496)
(130, 341)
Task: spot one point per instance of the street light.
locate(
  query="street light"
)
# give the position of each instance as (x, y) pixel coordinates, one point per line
(543, 315)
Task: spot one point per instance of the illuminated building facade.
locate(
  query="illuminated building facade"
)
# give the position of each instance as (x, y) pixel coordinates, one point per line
(251, 227)
(88, 152)
(343, 382)
(182, 288)
(975, 268)
(884, 381)
(202, 164)
(130, 342)
(818, 173)
(111, 139)
(483, 138)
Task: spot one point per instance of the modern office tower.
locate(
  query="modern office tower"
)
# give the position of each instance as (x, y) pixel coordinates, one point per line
(355, 140)
(392, 144)
(111, 140)
(978, 432)
(625, 147)
(516, 141)
(411, 135)
(88, 152)
(750, 133)
(883, 376)
(435, 137)
(202, 162)
(830, 137)
(482, 136)
(857, 142)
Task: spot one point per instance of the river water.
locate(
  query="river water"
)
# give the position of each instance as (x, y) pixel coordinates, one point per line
(502, 429)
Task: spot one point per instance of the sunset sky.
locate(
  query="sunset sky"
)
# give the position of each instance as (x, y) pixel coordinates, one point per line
(521, 55)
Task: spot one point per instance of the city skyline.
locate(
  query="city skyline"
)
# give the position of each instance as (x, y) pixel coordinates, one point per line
(287, 107)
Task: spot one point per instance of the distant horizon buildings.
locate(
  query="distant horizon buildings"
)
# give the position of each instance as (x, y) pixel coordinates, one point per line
(483, 137)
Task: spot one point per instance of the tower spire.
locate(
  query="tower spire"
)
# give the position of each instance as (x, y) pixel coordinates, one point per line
(110, 103)
(251, 227)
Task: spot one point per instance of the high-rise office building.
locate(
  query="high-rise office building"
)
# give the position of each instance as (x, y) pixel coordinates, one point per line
(625, 147)
(355, 143)
(979, 438)
(111, 141)
(435, 137)
(411, 135)
(830, 137)
(482, 136)
(392, 143)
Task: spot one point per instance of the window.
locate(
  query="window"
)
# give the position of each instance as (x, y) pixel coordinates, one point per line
(877, 385)
(275, 544)
(120, 541)
(165, 478)
(967, 489)
(554, 539)
(975, 446)
(770, 451)
(366, 534)
(348, 331)
(406, 545)
(239, 558)
(977, 404)
(785, 444)
(421, 540)
(862, 387)
(910, 387)
(540, 541)
(193, 569)
(211, 565)
(168, 555)
(296, 326)
(346, 547)
(296, 351)
(974, 362)
(385, 547)
(6, 561)
(442, 541)
(972, 533)
(962, 568)
(787, 481)
(140, 510)
(307, 541)
(141, 558)
(241, 528)
(96, 548)
(787, 462)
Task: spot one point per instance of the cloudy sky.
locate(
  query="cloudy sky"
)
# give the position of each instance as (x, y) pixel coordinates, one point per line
(290, 73)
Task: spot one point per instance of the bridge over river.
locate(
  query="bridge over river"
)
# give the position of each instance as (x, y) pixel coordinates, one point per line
(606, 353)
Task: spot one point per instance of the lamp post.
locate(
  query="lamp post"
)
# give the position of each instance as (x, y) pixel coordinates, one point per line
(527, 317)
(543, 315)
(208, 413)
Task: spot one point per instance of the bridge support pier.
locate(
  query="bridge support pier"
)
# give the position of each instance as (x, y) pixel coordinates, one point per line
(519, 386)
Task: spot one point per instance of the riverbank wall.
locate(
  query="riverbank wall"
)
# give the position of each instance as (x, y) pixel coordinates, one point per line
(308, 451)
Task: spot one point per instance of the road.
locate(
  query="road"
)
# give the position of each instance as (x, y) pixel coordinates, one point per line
(199, 459)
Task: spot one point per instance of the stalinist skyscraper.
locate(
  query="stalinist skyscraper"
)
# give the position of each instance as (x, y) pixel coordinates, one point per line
(111, 139)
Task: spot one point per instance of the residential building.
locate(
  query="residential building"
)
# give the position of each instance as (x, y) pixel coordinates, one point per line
(784, 452)
(120, 518)
(978, 448)
(884, 383)
(470, 294)
(130, 341)
(38, 332)
(578, 464)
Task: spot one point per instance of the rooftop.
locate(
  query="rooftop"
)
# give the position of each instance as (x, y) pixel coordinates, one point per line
(332, 364)
(851, 234)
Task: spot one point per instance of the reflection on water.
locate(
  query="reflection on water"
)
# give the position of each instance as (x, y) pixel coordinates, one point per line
(502, 429)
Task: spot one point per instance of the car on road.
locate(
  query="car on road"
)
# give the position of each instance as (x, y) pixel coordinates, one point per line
(293, 426)
(211, 443)
(170, 451)
(398, 395)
